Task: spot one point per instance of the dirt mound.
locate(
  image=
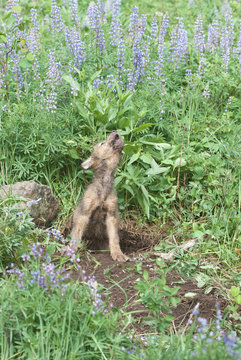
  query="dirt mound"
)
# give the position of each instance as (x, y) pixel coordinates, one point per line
(119, 280)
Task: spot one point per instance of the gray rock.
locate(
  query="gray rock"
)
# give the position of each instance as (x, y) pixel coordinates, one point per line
(42, 205)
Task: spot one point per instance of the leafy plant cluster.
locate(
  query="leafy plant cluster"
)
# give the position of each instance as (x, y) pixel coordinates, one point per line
(15, 229)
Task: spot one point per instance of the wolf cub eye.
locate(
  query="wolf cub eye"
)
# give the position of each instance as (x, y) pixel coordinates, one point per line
(101, 143)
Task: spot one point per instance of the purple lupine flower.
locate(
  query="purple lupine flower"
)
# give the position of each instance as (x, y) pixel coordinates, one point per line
(146, 53)
(164, 26)
(17, 73)
(94, 16)
(75, 46)
(179, 43)
(141, 26)
(57, 235)
(199, 35)
(154, 29)
(97, 82)
(34, 20)
(134, 23)
(120, 49)
(56, 19)
(239, 41)
(138, 62)
(213, 36)
(227, 36)
(161, 46)
(206, 92)
(202, 66)
(32, 42)
(230, 342)
(101, 7)
(11, 3)
(74, 11)
(54, 75)
(115, 24)
(238, 49)
(116, 8)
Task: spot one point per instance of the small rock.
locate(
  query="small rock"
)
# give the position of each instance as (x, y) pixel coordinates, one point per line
(42, 205)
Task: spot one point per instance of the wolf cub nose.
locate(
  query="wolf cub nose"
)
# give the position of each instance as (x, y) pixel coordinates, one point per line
(116, 136)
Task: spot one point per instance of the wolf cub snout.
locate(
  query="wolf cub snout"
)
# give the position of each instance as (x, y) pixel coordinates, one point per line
(96, 216)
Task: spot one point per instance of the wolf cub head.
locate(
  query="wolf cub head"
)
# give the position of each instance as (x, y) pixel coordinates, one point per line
(107, 153)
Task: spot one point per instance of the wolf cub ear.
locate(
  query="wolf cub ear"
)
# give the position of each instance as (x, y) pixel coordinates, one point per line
(87, 164)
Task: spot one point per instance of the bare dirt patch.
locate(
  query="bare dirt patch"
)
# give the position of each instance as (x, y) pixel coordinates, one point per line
(119, 279)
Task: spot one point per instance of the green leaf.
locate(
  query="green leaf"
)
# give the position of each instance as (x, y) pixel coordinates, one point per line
(199, 234)
(112, 113)
(145, 275)
(82, 111)
(94, 76)
(74, 84)
(16, 9)
(73, 153)
(146, 158)
(180, 162)
(10, 21)
(142, 128)
(130, 149)
(235, 291)
(156, 169)
(123, 122)
(25, 64)
(50, 249)
(30, 57)
(238, 300)
(3, 39)
(133, 158)
(128, 188)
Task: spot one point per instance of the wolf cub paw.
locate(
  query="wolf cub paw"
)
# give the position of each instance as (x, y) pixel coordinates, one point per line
(119, 256)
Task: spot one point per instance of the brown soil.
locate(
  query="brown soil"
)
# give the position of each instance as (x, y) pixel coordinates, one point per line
(119, 280)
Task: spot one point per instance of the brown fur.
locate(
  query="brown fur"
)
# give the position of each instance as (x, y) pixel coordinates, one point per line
(96, 216)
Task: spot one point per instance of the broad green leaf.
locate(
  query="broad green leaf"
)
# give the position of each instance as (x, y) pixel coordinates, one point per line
(235, 291)
(112, 113)
(10, 21)
(25, 64)
(73, 153)
(82, 111)
(50, 249)
(133, 158)
(16, 9)
(3, 38)
(142, 128)
(30, 57)
(146, 158)
(156, 169)
(94, 76)
(128, 188)
(238, 300)
(74, 84)
(130, 149)
(123, 122)
(180, 162)
(145, 275)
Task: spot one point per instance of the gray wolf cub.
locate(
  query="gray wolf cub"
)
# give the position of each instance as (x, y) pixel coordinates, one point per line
(96, 215)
